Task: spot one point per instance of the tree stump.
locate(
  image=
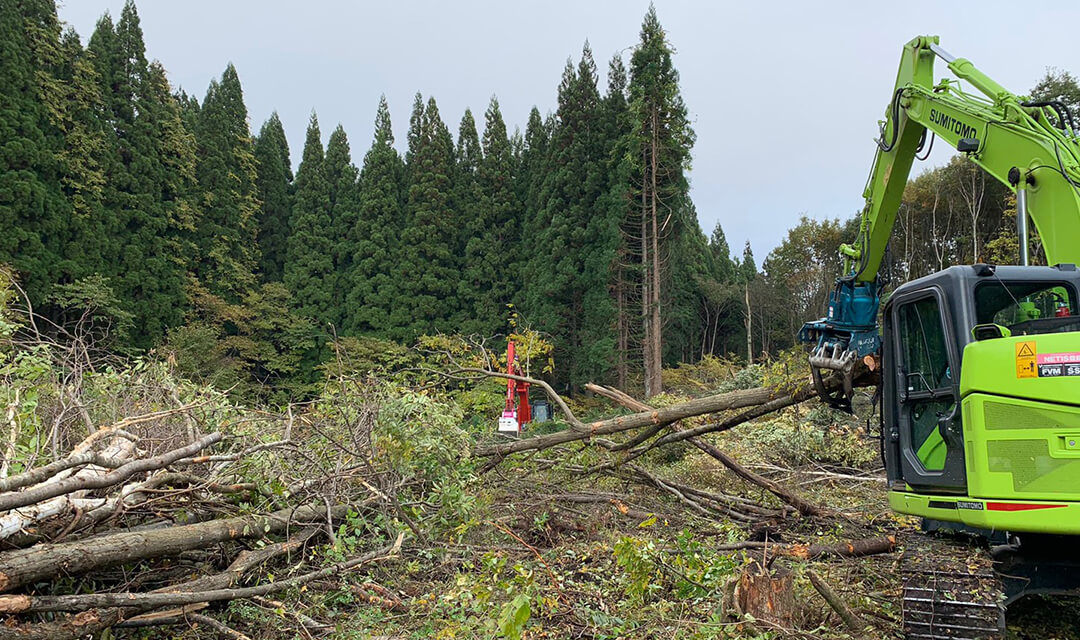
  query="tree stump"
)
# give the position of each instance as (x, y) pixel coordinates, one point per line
(766, 595)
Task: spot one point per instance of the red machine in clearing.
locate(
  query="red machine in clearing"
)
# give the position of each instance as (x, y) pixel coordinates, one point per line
(517, 413)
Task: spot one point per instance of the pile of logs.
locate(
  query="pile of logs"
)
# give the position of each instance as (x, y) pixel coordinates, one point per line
(68, 527)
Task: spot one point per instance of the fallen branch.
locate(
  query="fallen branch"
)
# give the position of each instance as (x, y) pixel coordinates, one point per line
(52, 489)
(307, 622)
(13, 604)
(804, 506)
(182, 618)
(217, 625)
(19, 520)
(554, 580)
(378, 596)
(42, 473)
(854, 624)
(763, 400)
(233, 457)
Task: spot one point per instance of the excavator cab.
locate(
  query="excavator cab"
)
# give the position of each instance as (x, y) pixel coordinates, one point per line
(981, 397)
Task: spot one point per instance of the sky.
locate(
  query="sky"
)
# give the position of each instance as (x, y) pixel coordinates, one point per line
(784, 96)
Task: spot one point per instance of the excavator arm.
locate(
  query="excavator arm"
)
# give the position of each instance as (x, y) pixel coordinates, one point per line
(1030, 146)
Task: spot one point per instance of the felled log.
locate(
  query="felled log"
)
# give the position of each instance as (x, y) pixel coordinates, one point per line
(95, 465)
(27, 566)
(657, 417)
(96, 620)
(14, 604)
(852, 549)
(763, 400)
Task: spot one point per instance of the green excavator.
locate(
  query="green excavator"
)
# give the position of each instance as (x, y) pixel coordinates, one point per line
(980, 364)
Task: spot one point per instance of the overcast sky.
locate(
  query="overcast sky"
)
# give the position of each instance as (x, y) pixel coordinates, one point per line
(784, 96)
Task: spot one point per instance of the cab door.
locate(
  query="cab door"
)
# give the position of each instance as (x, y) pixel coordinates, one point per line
(927, 376)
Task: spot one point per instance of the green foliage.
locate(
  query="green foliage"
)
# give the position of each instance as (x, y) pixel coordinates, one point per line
(35, 212)
(259, 346)
(341, 176)
(1060, 85)
(825, 438)
(490, 277)
(568, 276)
(91, 304)
(648, 570)
(361, 356)
(422, 438)
(513, 617)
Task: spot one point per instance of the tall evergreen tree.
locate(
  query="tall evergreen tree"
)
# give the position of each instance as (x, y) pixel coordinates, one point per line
(149, 178)
(341, 177)
(274, 183)
(618, 205)
(476, 275)
(569, 275)
(660, 144)
(375, 237)
(34, 212)
(747, 266)
(530, 175)
(226, 234)
(497, 254)
(428, 266)
(528, 180)
(309, 262)
(721, 255)
(76, 113)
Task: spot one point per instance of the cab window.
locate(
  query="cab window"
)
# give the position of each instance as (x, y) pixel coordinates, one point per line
(1013, 303)
(923, 346)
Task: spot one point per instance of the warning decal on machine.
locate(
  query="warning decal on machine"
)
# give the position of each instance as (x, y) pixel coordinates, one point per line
(1054, 365)
(1026, 360)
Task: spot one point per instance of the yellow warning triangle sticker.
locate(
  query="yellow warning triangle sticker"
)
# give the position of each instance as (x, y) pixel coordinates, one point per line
(1025, 350)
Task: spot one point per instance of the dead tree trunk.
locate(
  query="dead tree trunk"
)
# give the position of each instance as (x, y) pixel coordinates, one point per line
(749, 328)
(654, 337)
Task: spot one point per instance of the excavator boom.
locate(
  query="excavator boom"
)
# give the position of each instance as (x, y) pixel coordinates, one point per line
(1031, 147)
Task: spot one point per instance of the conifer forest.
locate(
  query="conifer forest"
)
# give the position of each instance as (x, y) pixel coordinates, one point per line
(248, 391)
